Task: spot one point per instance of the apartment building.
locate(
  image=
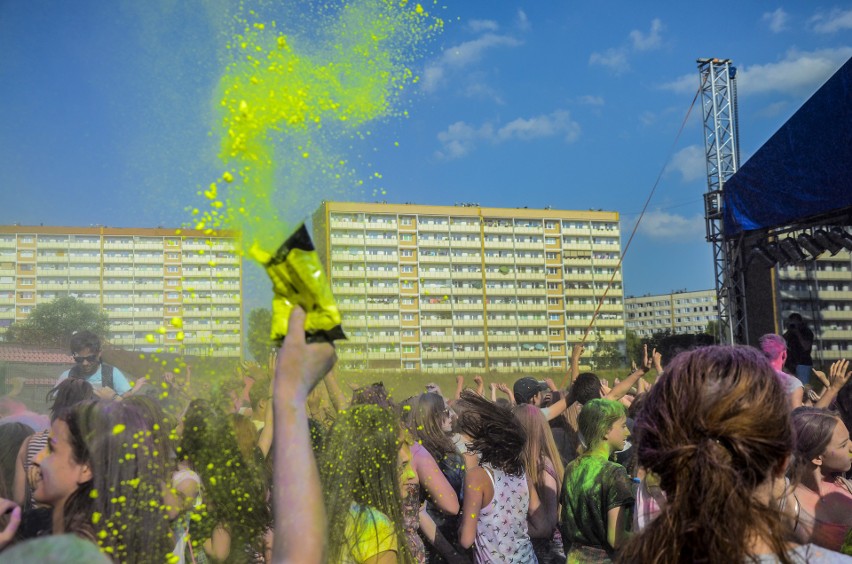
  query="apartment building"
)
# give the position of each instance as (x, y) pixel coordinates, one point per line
(466, 288)
(679, 311)
(821, 291)
(141, 278)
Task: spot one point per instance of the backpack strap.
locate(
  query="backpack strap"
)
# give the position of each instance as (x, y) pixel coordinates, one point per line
(106, 376)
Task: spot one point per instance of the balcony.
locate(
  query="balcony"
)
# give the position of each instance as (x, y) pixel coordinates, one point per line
(530, 246)
(532, 291)
(465, 259)
(53, 258)
(605, 262)
(383, 274)
(337, 224)
(371, 322)
(505, 338)
(501, 291)
(347, 240)
(383, 257)
(530, 276)
(445, 259)
(108, 259)
(141, 259)
(373, 290)
(465, 244)
(503, 322)
(462, 322)
(536, 261)
(81, 287)
(501, 307)
(466, 291)
(426, 306)
(348, 290)
(226, 313)
(493, 228)
(456, 275)
(373, 355)
(432, 355)
(465, 227)
(381, 241)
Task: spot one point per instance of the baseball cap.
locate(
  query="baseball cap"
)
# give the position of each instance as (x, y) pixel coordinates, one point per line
(526, 388)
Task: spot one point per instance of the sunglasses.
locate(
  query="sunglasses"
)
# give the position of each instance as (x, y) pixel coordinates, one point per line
(82, 359)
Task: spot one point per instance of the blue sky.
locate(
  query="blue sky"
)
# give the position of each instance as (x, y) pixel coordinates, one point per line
(107, 110)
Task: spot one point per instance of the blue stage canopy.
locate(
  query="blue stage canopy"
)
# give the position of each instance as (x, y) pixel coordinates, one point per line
(803, 171)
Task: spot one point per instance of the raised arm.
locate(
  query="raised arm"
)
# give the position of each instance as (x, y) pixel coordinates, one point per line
(434, 481)
(459, 385)
(480, 385)
(619, 390)
(300, 526)
(838, 377)
(335, 395)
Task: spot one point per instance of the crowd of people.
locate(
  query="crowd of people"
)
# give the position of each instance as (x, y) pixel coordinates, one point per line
(721, 456)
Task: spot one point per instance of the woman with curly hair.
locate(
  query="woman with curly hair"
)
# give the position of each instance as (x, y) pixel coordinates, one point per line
(821, 456)
(497, 495)
(360, 477)
(543, 467)
(716, 431)
(597, 491)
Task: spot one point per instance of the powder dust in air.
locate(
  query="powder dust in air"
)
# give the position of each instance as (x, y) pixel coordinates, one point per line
(290, 104)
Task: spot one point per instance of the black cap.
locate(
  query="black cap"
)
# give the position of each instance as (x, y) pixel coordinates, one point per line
(526, 388)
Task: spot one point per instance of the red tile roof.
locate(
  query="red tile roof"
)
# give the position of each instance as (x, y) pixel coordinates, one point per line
(33, 355)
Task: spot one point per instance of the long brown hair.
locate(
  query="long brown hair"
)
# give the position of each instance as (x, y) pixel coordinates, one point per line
(540, 446)
(715, 428)
(429, 410)
(812, 429)
(121, 507)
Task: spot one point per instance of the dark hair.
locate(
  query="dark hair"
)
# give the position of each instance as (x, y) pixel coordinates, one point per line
(67, 394)
(258, 392)
(714, 428)
(812, 432)
(121, 507)
(428, 413)
(12, 436)
(235, 491)
(85, 340)
(358, 465)
(494, 432)
(586, 387)
(375, 394)
(158, 421)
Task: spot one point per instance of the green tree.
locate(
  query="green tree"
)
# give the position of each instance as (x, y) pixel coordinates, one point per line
(713, 330)
(634, 346)
(606, 356)
(259, 328)
(51, 324)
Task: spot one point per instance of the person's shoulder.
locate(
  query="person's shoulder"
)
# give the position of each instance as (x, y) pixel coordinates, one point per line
(807, 553)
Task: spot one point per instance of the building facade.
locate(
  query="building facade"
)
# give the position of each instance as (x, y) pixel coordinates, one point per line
(466, 288)
(679, 312)
(141, 278)
(821, 291)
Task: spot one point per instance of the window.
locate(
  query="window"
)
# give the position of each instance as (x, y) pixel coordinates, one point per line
(406, 237)
(26, 239)
(407, 253)
(554, 317)
(409, 348)
(549, 240)
(551, 256)
(171, 269)
(25, 295)
(172, 309)
(172, 282)
(408, 333)
(553, 285)
(554, 332)
(172, 295)
(26, 281)
(408, 317)
(407, 268)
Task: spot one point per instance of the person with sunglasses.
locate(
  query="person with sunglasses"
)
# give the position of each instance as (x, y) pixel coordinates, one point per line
(108, 381)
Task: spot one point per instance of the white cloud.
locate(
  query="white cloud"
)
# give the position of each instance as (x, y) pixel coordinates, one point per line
(777, 20)
(799, 73)
(614, 59)
(523, 21)
(590, 100)
(461, 138)
(831, 22)
(647, 118)
(462, 55)
(662, 225)
(478, 88)
(690, 162)
(477, 26)
(556, 123)
(642, 42)
(773, 109)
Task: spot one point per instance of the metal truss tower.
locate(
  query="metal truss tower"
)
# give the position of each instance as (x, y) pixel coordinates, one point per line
(721, 148)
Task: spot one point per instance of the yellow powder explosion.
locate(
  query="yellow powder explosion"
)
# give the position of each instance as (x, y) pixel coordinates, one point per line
(285, 106)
